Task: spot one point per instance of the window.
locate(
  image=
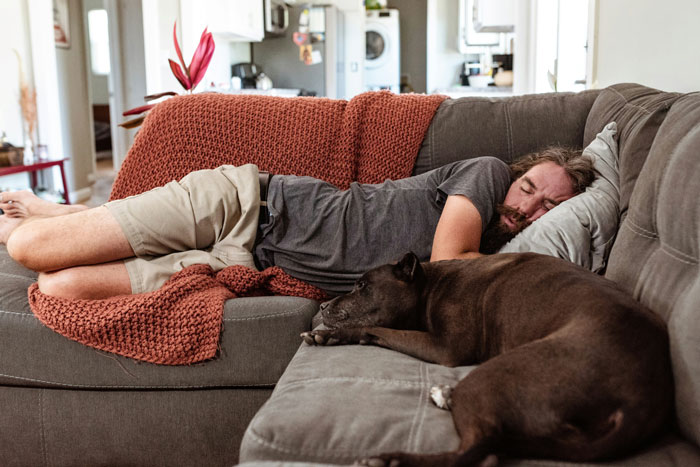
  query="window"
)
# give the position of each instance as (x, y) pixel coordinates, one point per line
(99, 41)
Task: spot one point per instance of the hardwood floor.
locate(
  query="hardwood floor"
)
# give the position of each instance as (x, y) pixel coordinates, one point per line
(103, 184)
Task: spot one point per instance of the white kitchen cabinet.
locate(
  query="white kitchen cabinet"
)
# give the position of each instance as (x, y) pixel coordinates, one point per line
(233, 20)
(342, 5)
(495, 15)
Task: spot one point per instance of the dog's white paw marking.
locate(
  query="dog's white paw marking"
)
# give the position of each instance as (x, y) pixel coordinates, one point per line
(441, 395)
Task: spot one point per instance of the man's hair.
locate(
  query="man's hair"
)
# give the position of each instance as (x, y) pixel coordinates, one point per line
(579, 168)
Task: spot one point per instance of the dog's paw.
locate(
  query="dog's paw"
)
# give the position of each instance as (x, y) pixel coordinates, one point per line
(441, 395)
(319, 337)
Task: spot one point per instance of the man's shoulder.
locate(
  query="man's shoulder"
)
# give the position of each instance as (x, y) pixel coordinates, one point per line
(479, 165)
(484, 161)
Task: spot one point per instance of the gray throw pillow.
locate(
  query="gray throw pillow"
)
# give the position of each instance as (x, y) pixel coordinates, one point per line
(581, 229)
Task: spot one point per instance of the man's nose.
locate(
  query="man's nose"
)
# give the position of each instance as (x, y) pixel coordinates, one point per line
(529, 207)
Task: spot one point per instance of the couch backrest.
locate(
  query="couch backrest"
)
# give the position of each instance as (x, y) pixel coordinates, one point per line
(657, 250)
(503, 127)
(639, 112)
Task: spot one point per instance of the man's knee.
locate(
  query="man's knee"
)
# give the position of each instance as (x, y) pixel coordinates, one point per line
(64, 284)
(22, 245)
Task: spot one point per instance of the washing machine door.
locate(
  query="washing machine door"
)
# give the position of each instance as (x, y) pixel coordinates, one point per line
(378, 45)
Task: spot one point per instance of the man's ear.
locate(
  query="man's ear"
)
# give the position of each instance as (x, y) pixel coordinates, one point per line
(408, 268)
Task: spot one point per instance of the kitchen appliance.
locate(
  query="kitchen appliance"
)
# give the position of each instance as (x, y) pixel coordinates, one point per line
(250, 75)
(247, 72)
(281, 57)
(276, 17)
(382, 60)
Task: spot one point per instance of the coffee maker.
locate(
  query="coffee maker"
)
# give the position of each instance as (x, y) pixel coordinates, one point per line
(248, 72)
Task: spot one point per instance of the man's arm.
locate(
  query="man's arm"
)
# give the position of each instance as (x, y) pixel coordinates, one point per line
(458, 233)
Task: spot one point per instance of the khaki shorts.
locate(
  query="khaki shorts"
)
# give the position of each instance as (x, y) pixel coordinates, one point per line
(208, 217)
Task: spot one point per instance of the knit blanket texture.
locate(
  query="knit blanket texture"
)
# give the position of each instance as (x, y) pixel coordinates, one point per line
(373, 137)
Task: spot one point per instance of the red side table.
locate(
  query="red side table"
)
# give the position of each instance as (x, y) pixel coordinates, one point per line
(41, 164)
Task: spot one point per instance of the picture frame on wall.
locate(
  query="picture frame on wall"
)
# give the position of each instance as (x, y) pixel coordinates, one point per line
(61, 26)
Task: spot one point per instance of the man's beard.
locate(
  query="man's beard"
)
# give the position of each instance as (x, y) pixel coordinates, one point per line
(497, 233)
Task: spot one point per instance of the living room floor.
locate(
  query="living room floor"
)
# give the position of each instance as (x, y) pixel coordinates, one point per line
(103, 183)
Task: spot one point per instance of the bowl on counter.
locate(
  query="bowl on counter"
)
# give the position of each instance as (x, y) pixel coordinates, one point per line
(480, 81)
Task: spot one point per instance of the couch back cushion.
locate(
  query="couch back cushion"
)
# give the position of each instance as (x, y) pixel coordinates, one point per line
(504, 127)
(656, 254)
(638, 111)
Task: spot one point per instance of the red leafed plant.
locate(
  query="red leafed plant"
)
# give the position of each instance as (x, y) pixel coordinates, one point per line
(189, 78)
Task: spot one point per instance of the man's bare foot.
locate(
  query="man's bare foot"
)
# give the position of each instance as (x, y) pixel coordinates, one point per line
(23, 204)
(7, 225)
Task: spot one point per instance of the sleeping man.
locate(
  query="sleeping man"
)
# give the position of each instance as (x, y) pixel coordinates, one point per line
(311, 229)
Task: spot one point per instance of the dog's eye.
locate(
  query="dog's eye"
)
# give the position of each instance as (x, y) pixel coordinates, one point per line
(360, 285)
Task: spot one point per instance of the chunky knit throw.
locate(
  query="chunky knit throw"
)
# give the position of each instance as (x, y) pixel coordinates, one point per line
(370, 138)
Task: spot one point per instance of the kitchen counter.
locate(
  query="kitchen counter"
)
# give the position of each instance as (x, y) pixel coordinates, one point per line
(470, 91)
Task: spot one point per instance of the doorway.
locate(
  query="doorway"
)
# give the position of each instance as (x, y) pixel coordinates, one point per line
(99, 69)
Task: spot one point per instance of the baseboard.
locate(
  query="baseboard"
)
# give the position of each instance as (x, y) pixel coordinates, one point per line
(81, 195)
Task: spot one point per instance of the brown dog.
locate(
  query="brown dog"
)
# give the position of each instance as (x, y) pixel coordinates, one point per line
(572, 367)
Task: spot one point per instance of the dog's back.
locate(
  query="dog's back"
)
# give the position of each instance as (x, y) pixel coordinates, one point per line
(571, 367)
(590, 363)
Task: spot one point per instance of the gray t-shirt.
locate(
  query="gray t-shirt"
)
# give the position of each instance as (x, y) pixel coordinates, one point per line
(330, 237)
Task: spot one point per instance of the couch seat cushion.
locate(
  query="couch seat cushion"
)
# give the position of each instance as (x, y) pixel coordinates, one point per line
(337, 404)
(259, 337)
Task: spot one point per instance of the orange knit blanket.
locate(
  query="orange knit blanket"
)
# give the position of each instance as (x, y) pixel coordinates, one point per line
(370, 138)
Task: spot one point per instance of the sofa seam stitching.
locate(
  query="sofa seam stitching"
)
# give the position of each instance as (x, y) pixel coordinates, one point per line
(509, 131)
(665, 248)
(658, 181)
(18, 276)
(410, 439)
(470, 100)
(677, 255)
(422, 404)
(270, 315)
(43, 430)
(627, 102)
(106, 386)
(258, 438)
(388, 381)
(16, 313)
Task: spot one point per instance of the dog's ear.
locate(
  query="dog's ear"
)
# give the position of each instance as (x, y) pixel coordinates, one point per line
(408, 268)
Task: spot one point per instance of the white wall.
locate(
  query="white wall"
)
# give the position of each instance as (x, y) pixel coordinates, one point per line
(443, 58)
(28, 28)
(14, 34)
(76, 114)
(648, 42)
(99, 84)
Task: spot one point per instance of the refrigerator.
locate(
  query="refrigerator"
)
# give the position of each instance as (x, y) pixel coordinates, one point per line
(279, 56)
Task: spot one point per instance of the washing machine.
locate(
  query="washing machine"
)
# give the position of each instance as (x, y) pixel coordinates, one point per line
(382, 60)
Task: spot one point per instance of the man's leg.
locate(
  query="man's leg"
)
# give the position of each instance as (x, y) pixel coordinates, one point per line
(87, 282)
(81, 238)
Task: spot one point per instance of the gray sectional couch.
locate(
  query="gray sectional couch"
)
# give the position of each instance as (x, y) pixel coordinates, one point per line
(62, 403)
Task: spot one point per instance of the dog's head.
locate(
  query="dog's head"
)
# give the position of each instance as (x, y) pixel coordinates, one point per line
(387, 296)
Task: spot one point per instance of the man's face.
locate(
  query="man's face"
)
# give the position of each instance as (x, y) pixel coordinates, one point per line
(537, 191)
